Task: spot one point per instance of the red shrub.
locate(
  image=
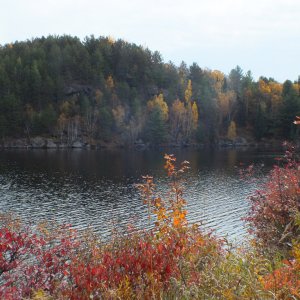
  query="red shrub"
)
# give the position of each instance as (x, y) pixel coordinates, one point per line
(32, 259)
(274, 208)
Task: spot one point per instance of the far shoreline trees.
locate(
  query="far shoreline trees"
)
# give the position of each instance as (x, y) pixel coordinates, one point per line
(114, 91)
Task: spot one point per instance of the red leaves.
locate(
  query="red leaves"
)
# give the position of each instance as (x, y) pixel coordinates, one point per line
(32, 260)
(274, 208)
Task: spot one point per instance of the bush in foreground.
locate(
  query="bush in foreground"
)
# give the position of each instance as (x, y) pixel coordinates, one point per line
(275, 209)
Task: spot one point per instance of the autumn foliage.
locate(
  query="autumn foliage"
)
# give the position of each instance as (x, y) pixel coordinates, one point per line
(173, 260)
(275, 209)
(34, 258)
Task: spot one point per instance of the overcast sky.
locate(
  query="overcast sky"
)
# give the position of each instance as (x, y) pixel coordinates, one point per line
(259, 35)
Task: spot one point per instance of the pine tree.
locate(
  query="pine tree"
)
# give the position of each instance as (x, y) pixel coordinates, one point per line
(156, 131)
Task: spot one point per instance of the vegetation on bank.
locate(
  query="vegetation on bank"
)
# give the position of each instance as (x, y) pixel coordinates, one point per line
(114, 91)
(174, 260)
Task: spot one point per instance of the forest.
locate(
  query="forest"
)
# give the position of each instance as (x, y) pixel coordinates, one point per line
(101, 89)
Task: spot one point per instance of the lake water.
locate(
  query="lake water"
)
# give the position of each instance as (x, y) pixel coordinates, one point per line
(97, 188)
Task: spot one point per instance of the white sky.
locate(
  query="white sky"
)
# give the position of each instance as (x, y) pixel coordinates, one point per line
(260, 35)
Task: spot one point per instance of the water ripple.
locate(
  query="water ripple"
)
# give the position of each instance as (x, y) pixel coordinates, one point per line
(72, 188)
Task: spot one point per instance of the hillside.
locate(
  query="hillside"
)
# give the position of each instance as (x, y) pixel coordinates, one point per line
(101, 90)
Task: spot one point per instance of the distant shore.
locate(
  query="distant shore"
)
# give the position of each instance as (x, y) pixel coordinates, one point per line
(52, 143)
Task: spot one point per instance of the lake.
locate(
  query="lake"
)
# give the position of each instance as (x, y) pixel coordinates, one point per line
(97, 188)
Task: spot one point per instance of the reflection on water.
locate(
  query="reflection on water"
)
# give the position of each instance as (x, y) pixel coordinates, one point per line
(97, 188)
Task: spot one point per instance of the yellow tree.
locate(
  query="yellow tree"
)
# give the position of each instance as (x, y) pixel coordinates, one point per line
(271, 93)
(110, 82)
(188, 124)
(66, 107)
(231, 133)
(264, 87)
(110, 86)
(226, 103)
(177, 117)
(218, 80)
(159, 102)
(191, 114)
(276, 98)
(195, 115)
(225, 99)
(188, 92)
(111, 40)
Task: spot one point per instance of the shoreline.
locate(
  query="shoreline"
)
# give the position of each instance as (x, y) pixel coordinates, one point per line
(44, 143)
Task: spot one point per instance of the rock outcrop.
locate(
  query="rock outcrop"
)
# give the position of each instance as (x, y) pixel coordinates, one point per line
(38, 142)
(78, 144)
(50, 144)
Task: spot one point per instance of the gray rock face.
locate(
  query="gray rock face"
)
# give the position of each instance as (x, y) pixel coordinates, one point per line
(38, 142)
(237, 142)
(139, 145)
(225, 143)
(21, 143)
(77, 89)
(50, 144)
(240, 141)
(18, 143)
(62, 145)
(77, 144)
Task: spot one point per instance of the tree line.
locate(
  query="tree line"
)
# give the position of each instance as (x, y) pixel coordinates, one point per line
(115, 91)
